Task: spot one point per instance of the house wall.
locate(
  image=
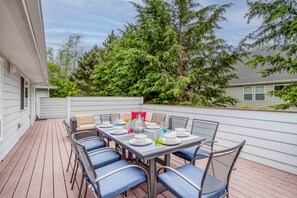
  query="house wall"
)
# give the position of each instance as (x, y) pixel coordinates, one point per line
(271, 136)
(15, 121)
(237, 92)
(38, 94)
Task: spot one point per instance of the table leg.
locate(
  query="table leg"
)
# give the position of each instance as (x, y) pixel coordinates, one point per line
(152, 175)
(124, 153)
(167, 161)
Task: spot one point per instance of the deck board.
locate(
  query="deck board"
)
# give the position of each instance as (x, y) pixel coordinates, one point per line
(36, 167)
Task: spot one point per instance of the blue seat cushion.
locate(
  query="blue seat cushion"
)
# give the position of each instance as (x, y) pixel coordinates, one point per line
(180, 188)
(92, 144)
(188, 153)
(105, 158)
(118, 182)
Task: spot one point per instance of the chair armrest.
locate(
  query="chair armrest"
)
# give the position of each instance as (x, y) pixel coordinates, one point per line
(194, 157)
(102, 150)
(121, 169)
(204, 144)
(180, 175)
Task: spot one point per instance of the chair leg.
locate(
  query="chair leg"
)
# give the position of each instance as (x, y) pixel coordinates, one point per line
(74, 178)
(86, 190)
(73, 170)
(69, 160)
(81, 184)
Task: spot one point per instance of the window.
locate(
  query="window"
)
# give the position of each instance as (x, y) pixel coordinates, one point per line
(260, 93)
(278, 87)
(24, 93)
(248, 93)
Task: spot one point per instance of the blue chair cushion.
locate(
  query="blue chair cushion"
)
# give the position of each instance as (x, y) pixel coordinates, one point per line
(188, 153)
(105, 158)
(92, 144)
(118, 182)
(180, 188)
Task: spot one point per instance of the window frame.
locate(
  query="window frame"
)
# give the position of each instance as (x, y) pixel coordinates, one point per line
(278, 85)
(24, 86)
(251, 93)
(264, 92)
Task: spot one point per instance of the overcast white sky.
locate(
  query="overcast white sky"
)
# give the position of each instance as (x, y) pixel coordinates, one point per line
(95, 19)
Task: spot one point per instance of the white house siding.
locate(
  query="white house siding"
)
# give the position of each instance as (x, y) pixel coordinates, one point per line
(101, 105)
(237, 92)
(12, 115)
(38, 94)
(271, 137)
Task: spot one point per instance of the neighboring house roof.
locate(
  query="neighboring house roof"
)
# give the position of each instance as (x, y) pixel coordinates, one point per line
(22, 40)
(251, 76)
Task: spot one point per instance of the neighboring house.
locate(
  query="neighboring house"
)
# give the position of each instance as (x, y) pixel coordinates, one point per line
(23, 65)
(251, 89)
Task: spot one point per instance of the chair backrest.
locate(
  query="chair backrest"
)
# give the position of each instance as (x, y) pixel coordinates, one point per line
(205, 129)
(68, 130)
(218, 169)
(158, 118)
(84, 119)
(177, 122)
(109, 117)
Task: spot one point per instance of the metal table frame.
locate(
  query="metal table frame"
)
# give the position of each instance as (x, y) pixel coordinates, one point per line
(151, 157)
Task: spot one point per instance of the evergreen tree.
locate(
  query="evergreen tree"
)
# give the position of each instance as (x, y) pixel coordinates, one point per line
(278, 31)
(81, 76)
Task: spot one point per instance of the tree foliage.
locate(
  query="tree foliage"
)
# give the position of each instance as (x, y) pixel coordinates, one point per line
(278, 31)
(171, 55)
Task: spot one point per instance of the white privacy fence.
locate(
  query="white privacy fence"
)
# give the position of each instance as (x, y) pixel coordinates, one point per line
(101, 105)
(52, 107)
(271, 136)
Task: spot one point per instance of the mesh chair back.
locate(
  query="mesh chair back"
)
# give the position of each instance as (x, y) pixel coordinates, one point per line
(109, 117)
(177, 122)
(158, 118)
(205, 129)
(218, 169)
(85, 159)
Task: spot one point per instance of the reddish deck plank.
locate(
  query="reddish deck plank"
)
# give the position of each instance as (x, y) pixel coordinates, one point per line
(36, 167)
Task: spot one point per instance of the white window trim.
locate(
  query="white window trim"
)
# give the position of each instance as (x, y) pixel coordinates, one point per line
(25, 108)
(252, 93)
(256, 92)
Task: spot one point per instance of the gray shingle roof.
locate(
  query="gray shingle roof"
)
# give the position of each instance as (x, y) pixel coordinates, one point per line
(251, 76)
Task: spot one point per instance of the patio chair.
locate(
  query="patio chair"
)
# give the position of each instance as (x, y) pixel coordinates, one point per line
(112, 179)
(98, 158)
(158, 118)
(109, 117)
(202, 128)
(177, 122)
(212, 182)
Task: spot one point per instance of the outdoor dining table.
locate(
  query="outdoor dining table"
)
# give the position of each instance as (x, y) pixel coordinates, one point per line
(150, 152)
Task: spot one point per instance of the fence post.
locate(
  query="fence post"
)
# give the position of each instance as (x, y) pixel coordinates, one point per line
(68, 110)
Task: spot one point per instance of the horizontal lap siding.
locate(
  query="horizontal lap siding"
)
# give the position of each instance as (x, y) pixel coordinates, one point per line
(103, 105)
(53, 107)
(271, 137)
(12, 115)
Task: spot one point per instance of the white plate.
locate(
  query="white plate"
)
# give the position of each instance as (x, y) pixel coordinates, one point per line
(178, 141)
(114, 132)
(105, 126)
(122, 123)
(184, 134)
(152, 127)
(147, 142)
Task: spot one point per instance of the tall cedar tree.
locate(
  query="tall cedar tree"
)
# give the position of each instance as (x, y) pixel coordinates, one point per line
(81, 76)
(279, 31)
(170, 56)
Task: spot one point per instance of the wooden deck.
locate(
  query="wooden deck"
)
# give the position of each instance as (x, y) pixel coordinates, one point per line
(36, 167)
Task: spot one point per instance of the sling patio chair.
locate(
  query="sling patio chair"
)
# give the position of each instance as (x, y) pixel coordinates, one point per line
(112, 179)
(212, 182)
(111, 118)
(202, 128)
(158, 118)
(177, 122)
